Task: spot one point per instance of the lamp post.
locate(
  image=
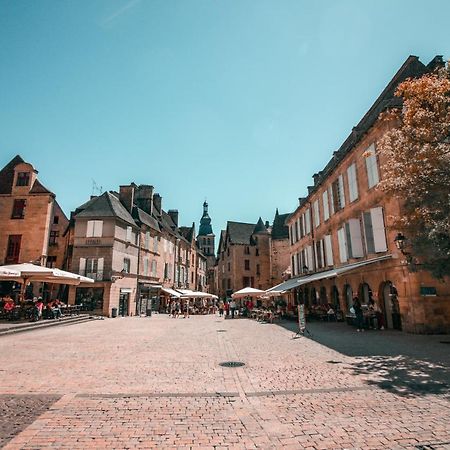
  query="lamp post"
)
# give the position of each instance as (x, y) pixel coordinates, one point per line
(401, 242)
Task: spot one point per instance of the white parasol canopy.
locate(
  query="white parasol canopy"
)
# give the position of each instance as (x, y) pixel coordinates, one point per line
(187, 293)
(248, 292)
(27, 272)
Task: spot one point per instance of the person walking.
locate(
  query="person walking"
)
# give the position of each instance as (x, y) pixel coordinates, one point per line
(232, 308)
(359, 314)
(221, 308)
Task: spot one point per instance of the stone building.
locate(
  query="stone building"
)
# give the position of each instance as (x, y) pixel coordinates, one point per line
(280, 260)
(244, 257)
(32, 223)
(342, 239)
(132, 248)
(206, 244)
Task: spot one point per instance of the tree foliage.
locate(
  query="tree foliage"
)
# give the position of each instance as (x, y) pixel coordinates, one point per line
(416, 167)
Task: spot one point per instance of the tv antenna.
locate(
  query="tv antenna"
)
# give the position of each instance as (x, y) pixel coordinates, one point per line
(96, 189)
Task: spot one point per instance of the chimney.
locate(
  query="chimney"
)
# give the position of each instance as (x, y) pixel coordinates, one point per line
(144, 198)
(173, 213)
(157, 203)
(126, 196)
(267, 224)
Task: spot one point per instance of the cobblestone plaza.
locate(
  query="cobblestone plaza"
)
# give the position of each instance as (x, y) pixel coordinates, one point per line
(157, 383)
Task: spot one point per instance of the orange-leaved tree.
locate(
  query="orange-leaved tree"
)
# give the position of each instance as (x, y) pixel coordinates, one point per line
(416, 167)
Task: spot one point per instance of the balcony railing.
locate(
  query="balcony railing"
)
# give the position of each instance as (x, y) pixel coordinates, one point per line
(99, 275)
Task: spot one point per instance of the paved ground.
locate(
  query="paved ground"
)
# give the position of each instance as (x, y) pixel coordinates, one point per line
(157, 383)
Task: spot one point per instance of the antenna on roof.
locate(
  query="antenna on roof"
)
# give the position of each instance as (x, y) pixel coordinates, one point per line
(96, 189)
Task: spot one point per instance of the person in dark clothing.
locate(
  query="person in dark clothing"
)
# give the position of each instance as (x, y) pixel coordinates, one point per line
(359, 314)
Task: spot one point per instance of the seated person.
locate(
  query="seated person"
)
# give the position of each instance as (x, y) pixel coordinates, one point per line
(9, 308)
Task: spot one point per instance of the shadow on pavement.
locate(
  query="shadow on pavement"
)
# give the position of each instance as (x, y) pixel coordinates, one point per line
(404, 364)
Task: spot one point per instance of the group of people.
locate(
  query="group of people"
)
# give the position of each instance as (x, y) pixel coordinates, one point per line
(33, 309)
(370, 316)
(227, 308)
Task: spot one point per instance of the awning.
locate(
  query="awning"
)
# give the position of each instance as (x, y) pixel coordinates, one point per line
(299, 281)
(171, 292)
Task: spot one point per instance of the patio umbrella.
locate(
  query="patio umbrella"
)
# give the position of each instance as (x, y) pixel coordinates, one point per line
(27, 272)
(248, 292)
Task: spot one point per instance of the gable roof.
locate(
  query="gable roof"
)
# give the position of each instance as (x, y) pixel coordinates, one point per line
(240, 232)
(7, 175)
(107, 205)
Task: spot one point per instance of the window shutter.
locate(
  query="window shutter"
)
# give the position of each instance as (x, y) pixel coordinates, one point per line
(328, 250)
(316, 213)
(293, 265)
(368, 232)
(90, 228)
(100, 264)
(372, 167)
(307, 221)
(352, 182)
(379, 233)
(299, 263)
(341, 191)
(128, 237)
(356, 238)
(342, 245)
(98, 228)
(330, 190)
(326, 209)
(82, 266)
(348, 240)
(310, 264)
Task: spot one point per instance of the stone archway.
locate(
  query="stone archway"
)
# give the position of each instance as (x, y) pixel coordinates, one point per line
(365, 293)
(335, 298)
(389, 304)
(348, 296)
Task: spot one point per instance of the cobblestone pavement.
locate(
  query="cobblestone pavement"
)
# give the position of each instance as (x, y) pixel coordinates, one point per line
(157, 383)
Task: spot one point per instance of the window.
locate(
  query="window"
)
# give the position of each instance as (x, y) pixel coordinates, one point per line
(246, 281)
(297, 231)
(331, 203)
(338, 197)
(147, 240)
(23, 179)
(94, 228)
(352, 183)
(247, 251)
(319, 254)
(293, 265)
(92, 268)
(302, 226)
(246, 264)
(309, 257)
(229, 283)
(13, 249)
(258, 271)
(154, 268)
(326, 209)
(166, 271)
(126, 265)
(53, 240)
(257, 251)
(228, 251)
(51, 261)
(129, 234)
(372, 167)
(18, 211)
(55, 220)
(316, 213)
(374, 231)
(146, 267)
(155, 244)
(229, 267)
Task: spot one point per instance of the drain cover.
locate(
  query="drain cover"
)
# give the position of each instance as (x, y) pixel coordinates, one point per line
(221, 331)
(333, 362)
(232, 364)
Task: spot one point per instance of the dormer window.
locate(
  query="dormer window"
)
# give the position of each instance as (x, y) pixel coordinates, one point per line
(23, 179)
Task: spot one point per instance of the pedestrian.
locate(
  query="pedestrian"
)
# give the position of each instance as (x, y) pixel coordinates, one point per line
(177, 309)
(226, 308)
(359, 314)
(221, 308)
(232, 308)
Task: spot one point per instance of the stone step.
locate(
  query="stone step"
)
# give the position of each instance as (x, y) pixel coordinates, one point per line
(48, 323)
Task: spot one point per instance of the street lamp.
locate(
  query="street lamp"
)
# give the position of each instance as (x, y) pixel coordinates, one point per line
(401, 243)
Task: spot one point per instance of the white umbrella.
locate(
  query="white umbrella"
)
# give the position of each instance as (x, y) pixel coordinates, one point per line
(27, 272)
(248, 292)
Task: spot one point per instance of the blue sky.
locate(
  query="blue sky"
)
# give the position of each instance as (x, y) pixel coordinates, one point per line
(236, 101)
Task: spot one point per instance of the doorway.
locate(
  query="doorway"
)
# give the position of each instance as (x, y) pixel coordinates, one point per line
(391, 307)
(123, 304)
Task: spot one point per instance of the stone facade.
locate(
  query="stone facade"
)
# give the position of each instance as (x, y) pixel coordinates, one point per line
(346, 219)
(32, 223)
(132, 248)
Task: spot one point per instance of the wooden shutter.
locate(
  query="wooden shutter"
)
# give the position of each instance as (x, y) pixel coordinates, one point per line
(100, 264)
(307, 221)
(90, 228)
(352, 183)
(341, 191)
(372, 167)
(326, 208)
(309, 252)
(316, 213)
(342, 245)
(356, 238)
(330, 191)
(97, 228)
(379, 232)
(82, 266)
(328, 250)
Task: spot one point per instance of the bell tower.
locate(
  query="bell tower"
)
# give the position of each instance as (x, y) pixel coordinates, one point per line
(206, 237)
